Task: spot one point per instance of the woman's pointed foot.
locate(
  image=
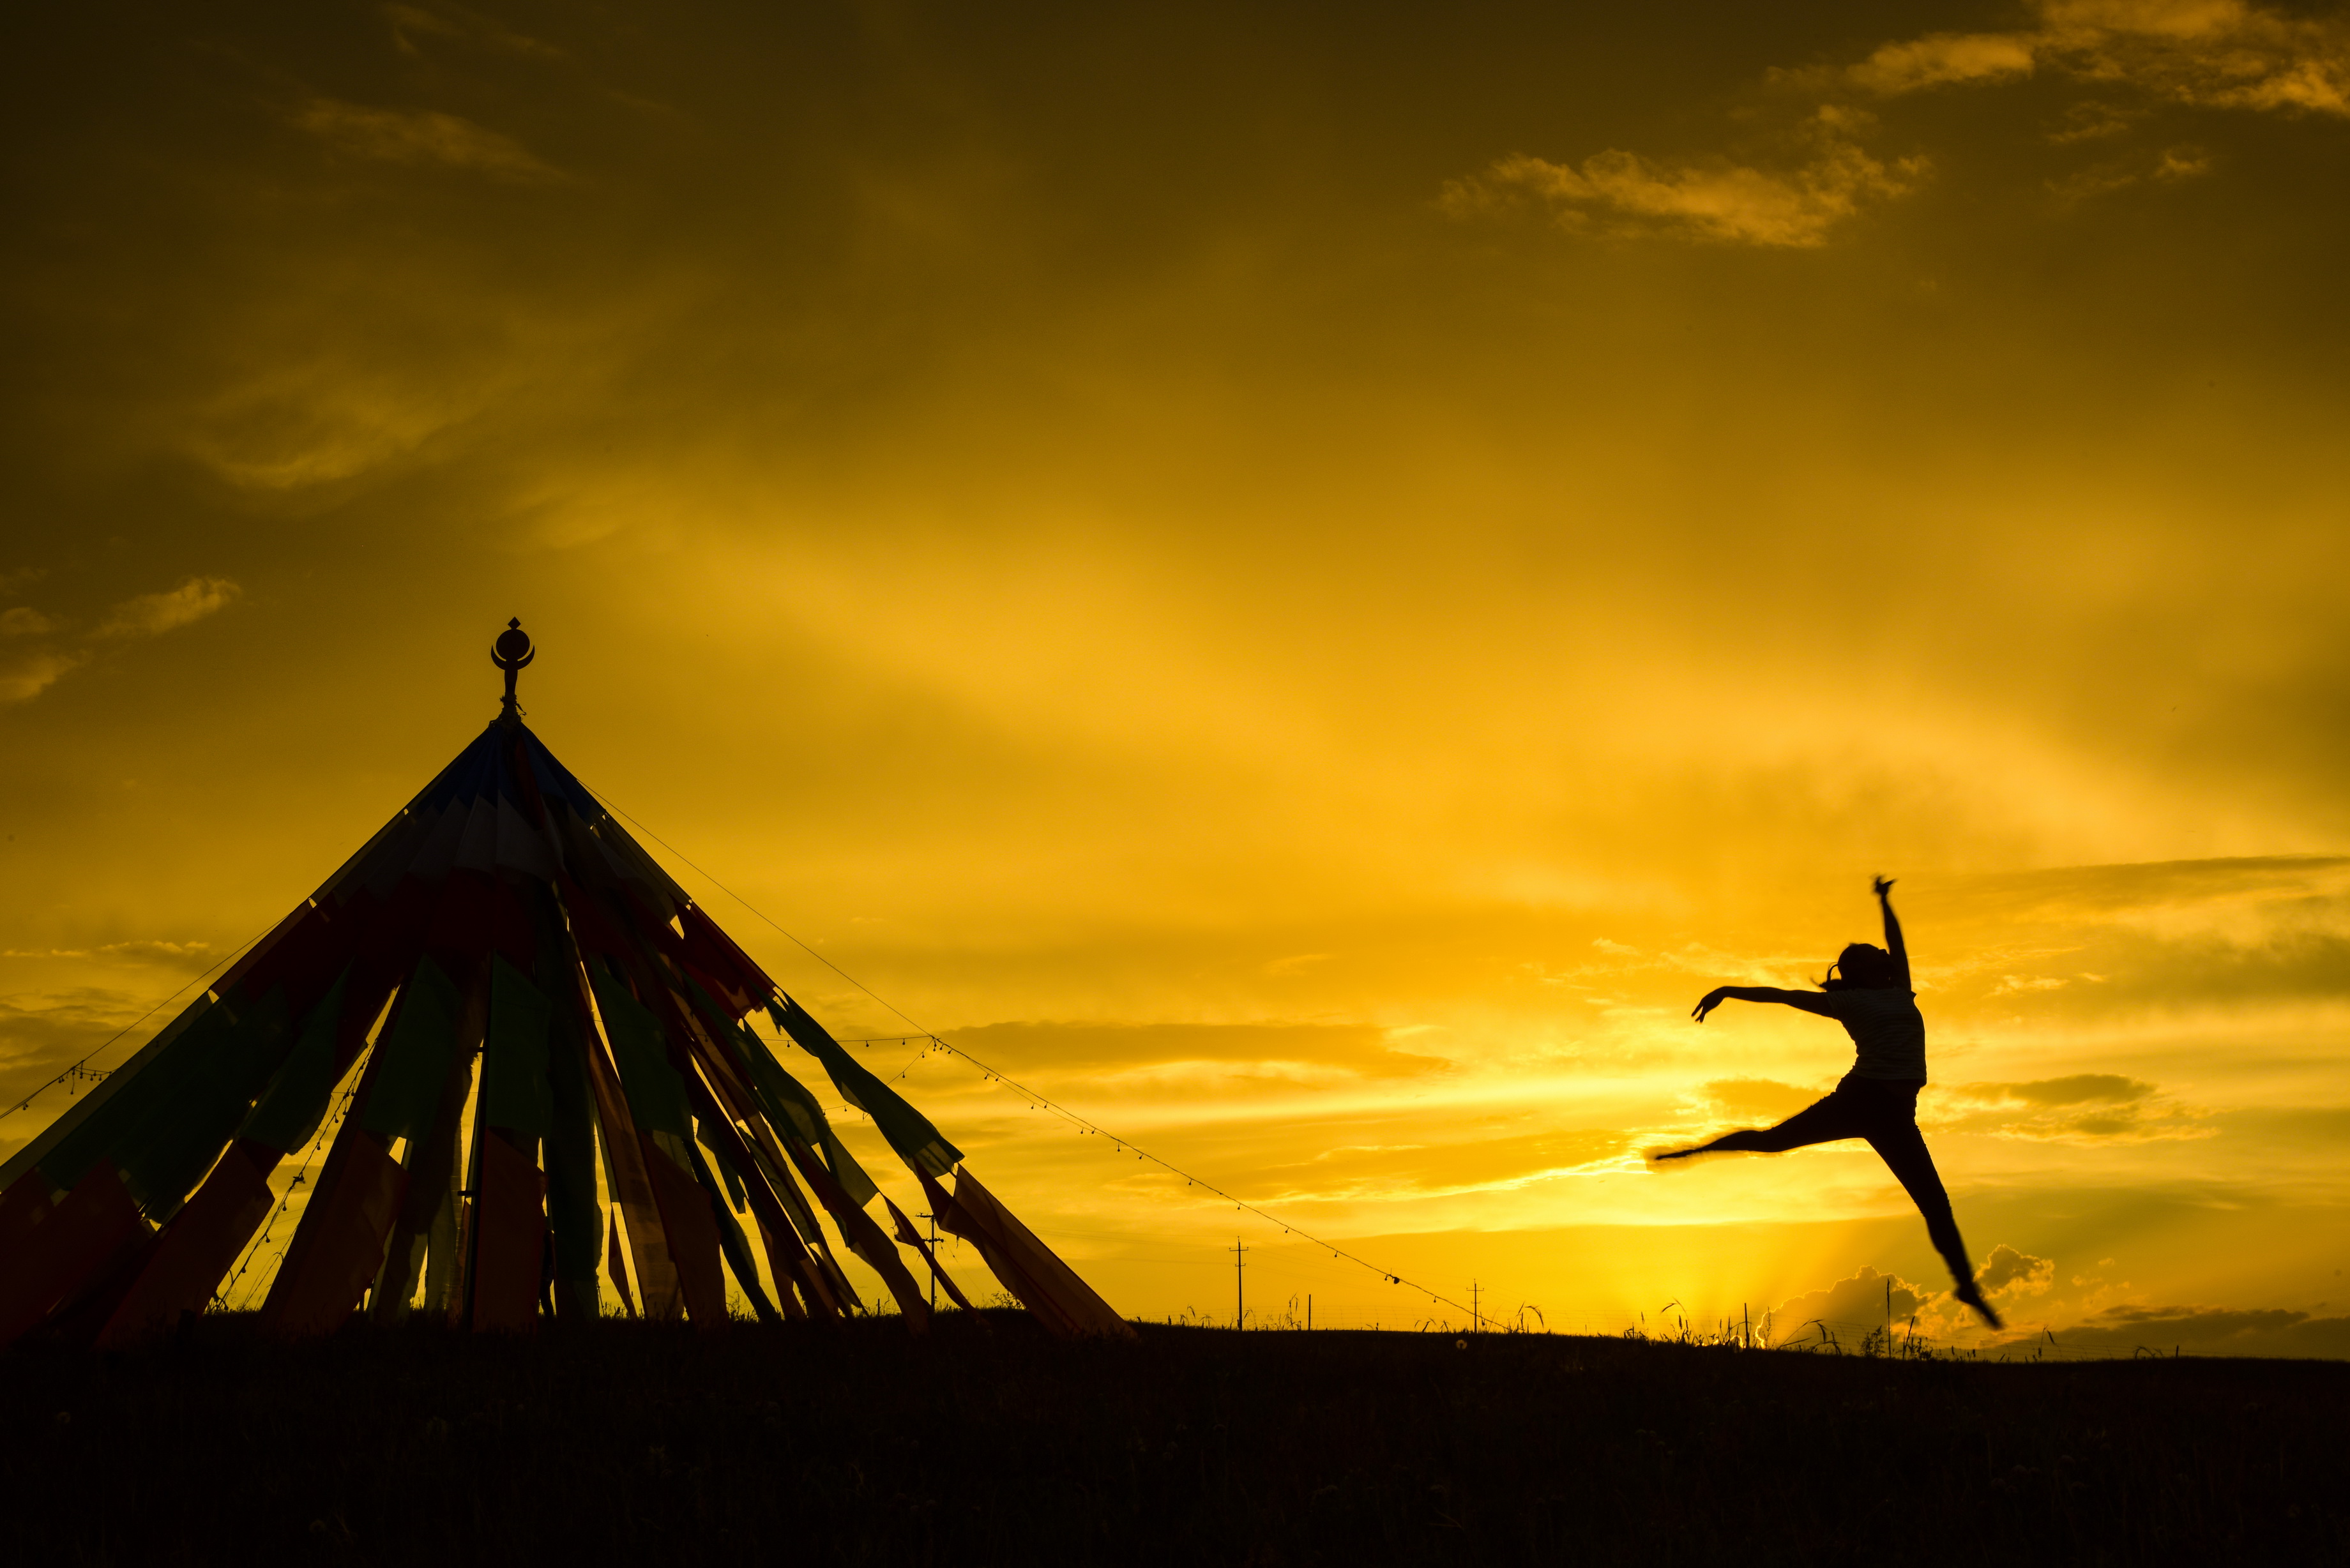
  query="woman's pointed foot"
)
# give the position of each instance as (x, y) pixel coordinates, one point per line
(1971, 1293)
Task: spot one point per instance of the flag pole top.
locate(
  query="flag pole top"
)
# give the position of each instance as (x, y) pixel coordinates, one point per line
(510, 653)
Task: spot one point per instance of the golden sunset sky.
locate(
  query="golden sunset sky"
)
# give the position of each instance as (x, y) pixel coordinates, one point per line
(1302, 580)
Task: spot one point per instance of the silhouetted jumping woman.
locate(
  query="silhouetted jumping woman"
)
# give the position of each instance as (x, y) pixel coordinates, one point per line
(1877, 1100)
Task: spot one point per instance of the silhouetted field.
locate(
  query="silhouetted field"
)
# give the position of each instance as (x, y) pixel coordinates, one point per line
(797, 1444)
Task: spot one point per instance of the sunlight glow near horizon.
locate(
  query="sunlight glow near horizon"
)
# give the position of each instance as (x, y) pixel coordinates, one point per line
(1310, 632)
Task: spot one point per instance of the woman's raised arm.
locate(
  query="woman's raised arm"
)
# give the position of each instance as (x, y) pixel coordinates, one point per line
(1883, 888)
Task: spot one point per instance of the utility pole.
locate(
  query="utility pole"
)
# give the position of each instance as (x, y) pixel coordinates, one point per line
(1240, 1297)
(1476, 1318)
(1309, 1312)
(934, 1252)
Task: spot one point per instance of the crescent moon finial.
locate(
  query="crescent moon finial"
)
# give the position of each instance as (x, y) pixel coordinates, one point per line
(510, 653)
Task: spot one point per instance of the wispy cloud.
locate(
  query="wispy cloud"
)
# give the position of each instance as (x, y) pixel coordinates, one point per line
(2078, 1317)
(48, 1031)
(2085, 1107)
(2213, 1331)
(2082, 1089)
(1757, 1100)
(50, 659)
(2211, 53)
(1365, 1049)
(27, 677)
(152, 615)
(1394, 1171)
(2168, 166)
(457, 24)
(2221, 54)
(1941, 58)
(134, 951)
(421, 136)
(1704, 199)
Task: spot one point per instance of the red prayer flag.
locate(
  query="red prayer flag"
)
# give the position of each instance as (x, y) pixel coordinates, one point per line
(349, 1220)
(195, 1251)
(692, 1232)
(71, 1245)
(510, 1245)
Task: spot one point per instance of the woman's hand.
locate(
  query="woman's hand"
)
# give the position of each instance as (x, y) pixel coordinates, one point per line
(1709, 1001)
(1881, 886)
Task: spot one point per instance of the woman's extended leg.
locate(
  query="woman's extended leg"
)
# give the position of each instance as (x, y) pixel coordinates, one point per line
(1824, 1122)
(1902, 1146)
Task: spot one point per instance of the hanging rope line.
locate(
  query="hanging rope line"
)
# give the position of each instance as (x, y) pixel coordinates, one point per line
(1037, 1099)
(318, 1141)
(77, 1068)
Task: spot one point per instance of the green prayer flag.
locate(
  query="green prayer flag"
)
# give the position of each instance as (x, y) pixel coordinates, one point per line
(732, 1244)
(655, 1094)
(122, 1123)
(515, 1093)
(572, 1206)
(736, 1193)
(908, 1131)
(415, 1067)
(574, 1212)
(194, 1122)
(294, 1104)
(785, 1101)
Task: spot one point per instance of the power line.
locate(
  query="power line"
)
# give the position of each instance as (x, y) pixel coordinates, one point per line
(227, 958)
(1039, 1101)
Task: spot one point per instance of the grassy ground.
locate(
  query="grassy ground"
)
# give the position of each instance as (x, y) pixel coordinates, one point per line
(1192, 1446)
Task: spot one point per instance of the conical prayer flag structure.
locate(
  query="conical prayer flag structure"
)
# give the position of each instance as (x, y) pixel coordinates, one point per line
(515, 1002)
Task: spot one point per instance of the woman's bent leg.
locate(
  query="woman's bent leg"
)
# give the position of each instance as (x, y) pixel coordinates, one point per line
(1824, 1122)
(1903, 1149)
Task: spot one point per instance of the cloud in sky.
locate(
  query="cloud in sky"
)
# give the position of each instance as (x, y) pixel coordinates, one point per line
(2212, 1330)
(42, 1031)
(25, 675)
(152, 615)
(1866, 1301)
(1757, 1100)
(135, 951)
(2107, 1088)
(2222, 54)
(1793, 206)
(2217, 54)
(2007, 1271)
(456, 24)
(1351, 1048)
(2085, 1107)
(420, 137)
(2088, 1322)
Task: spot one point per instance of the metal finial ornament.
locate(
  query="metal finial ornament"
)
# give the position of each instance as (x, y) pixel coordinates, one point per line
(510, 653)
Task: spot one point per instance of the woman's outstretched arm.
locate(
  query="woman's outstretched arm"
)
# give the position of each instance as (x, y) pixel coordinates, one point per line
(1807, 999)
(1883, 888)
